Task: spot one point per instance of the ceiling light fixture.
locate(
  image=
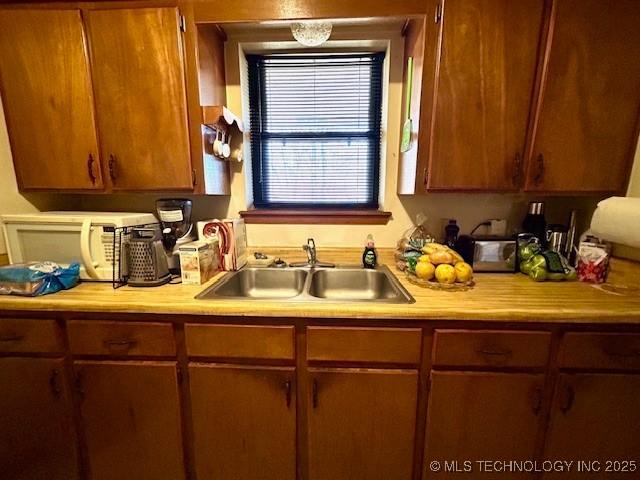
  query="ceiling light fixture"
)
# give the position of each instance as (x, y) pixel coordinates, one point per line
(311, 33)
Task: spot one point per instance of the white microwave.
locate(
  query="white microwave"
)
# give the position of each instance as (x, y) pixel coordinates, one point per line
(67, 237)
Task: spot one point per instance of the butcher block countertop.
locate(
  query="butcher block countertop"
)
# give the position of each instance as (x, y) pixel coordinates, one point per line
(495, 298)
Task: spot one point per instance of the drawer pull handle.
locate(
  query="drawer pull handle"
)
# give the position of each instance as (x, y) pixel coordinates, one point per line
(123, 344)
(314, 393)
(11, 338)
(626, 354)
(495, 352)
(570, 396)
(54, 383)
(287, 390)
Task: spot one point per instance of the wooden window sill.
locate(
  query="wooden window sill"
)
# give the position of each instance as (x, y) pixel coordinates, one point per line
(320, 216)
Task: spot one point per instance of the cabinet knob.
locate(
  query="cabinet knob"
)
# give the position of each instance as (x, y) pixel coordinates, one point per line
(287, 391)
(438, 14)
(90, 162)
(79, 384)
(112, 168)
(569, 397)
(537, 180)
(54, 383)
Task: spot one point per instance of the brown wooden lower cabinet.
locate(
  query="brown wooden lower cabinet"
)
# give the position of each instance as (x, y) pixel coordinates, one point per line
(37, 438)
(355, 423)
(596, 417)
(244, 422)
(361, 423)
(131, 420)
(481, 416)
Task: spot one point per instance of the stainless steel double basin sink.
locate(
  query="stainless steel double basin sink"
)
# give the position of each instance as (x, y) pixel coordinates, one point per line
(341, 284)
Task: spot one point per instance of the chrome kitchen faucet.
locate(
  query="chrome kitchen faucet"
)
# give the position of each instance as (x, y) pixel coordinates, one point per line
(312, 257)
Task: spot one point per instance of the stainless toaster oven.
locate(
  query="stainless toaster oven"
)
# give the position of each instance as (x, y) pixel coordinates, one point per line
(488, 253)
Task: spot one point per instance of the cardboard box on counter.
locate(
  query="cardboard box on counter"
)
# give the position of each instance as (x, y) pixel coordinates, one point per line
(198, 261)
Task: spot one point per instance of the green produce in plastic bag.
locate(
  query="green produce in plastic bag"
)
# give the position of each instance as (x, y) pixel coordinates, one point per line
(525, 267)
(528, 250)
(538, 261)
(538, 273)
(533, 262)
(556, 276)
(547, 265)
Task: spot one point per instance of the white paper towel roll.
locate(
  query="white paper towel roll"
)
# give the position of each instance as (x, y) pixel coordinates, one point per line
(617, 219)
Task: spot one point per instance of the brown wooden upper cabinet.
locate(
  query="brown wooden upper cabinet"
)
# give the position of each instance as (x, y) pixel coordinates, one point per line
(483, 89)
(585, 123)
(48, 100)
(135, 69)
(138, 75)
(528, 95)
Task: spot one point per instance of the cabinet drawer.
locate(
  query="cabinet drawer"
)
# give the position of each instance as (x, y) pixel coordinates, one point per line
(384, 345)
(30, 336)
(121, 338)
(240, 341)
(600, 350)
(491, 348)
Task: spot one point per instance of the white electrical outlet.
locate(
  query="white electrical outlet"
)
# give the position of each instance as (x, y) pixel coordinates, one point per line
(498, 227)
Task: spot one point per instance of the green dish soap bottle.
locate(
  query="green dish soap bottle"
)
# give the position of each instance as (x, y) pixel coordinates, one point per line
(369, 256)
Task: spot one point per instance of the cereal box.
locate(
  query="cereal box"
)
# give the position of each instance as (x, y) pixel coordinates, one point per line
(198, 261)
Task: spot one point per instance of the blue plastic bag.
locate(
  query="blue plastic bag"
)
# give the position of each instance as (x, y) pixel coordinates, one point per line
(37, 278)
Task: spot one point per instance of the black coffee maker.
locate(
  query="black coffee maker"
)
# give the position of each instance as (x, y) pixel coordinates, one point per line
(175, 217)
(535, 223)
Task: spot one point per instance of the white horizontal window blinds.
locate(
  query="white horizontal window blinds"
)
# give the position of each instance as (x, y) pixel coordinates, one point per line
(315, 129)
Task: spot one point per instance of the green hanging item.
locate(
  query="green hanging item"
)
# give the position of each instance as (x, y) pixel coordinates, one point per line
(405, 144)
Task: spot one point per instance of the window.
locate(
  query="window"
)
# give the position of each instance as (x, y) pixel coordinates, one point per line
(315, 130)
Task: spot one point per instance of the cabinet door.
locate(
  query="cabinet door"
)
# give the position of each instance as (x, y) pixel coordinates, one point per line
(244, 422)
(585, 136)
(138, 73)
(131, 419)
(596, 417)
(361, 424)
(484, 87)
(48, 102)
(37, 437)
(482, 416)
